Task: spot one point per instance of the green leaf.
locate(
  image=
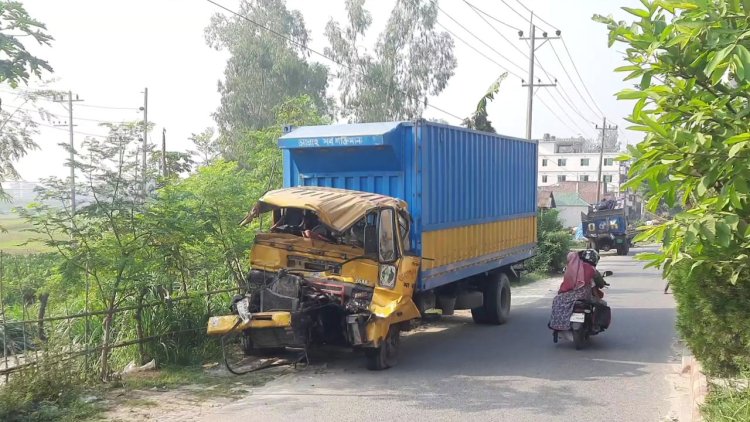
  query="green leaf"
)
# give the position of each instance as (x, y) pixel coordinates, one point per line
(723, 234)
(708, 230)
(631, 94)
(628, 68)
(646, 80)
(744, 56)
(638, 12)
(718, 57)
(736, 148)
(742, 137)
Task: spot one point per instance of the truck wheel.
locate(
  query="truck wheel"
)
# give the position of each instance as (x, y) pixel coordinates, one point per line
(623, 249)
(496, 308)
(386, 355)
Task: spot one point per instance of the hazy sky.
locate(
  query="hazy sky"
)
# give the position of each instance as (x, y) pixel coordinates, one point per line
(108, 51)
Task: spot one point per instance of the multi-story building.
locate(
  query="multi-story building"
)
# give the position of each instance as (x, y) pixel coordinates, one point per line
(576, 160)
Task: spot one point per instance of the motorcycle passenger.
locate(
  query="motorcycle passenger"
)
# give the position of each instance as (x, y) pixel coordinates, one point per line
(581, 281)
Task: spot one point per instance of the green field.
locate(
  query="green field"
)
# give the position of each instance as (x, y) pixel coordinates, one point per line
(13, 240)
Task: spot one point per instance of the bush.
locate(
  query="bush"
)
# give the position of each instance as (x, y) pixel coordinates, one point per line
(727, 404)
(553, 243)
(48, 391)
(712, 317)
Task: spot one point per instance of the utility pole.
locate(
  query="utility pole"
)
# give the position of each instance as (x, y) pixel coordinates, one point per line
(145, 142)
(61, 99)
(604, 130)
(164, 152)
(532, 38)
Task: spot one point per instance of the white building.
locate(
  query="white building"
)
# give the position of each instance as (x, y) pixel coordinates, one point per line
(569, 160)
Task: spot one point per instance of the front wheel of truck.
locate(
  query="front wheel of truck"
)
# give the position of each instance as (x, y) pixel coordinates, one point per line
(496, 307)
(385, 355)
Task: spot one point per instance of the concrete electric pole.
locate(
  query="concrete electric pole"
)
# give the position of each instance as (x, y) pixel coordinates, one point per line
(145, 143)
(164, 152)
(62, 99)
(532, 38)
(604, 130)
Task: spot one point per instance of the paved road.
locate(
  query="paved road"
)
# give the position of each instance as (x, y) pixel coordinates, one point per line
(461, 371)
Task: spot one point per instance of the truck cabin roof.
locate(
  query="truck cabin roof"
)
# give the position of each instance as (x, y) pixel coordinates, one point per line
(337, 209)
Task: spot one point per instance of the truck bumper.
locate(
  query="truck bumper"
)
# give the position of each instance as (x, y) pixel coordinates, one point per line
(220, 325)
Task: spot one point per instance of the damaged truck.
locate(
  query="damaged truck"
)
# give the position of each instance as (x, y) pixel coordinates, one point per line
(379, 224)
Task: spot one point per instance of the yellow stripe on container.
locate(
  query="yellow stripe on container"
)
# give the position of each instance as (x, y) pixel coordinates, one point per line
(456, 244)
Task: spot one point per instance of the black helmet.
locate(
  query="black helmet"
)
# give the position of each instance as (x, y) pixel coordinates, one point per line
(590, 256)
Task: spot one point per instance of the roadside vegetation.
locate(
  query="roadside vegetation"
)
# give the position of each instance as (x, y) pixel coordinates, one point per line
(133, 274)
(554, 242)
(690, 66)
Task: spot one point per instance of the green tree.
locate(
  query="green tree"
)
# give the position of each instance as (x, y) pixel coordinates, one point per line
(691, 64)
(264, 69)
(17, 64)
(206, 146)
(479, 119)
(410, 61)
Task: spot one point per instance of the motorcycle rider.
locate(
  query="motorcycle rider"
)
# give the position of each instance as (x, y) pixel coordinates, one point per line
(581, 281)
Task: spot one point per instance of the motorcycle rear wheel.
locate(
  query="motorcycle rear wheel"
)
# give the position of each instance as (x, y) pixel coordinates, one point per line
(579, 338)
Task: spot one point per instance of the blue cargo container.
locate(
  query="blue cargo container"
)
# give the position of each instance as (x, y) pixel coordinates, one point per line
(472, 194)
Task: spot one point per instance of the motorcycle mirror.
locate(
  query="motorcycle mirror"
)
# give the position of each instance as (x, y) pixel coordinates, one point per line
(607, 273)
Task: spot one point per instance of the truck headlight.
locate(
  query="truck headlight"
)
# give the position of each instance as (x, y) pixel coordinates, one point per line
(387, 276)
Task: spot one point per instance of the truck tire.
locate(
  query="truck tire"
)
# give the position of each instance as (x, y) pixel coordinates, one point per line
(623, 249)
(496, 307)
(385, 355)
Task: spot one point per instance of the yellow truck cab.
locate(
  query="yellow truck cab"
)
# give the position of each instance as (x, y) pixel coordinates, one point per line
(380, 223)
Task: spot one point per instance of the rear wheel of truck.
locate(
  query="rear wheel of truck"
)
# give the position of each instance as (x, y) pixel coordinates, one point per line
(623, 249)
(496, 307)
(385, 355)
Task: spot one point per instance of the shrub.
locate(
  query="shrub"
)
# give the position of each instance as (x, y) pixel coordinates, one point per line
(553, 244)
(712, 317)
(48, 391)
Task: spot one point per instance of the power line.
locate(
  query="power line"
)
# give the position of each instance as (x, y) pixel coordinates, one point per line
(574, 84)
(579, 76)
(541, 100)
(481, 12)
(573, 107)
(479, 52)
(494, 19)
(515, 11)
(572, 120)
(480, 39)
(43, 98)
(66, 130)
(538, 17)
(317, 53)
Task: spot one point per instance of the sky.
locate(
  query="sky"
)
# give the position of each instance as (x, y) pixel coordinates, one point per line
(107, 52)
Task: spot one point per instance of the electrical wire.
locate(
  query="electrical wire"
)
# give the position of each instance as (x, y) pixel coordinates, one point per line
(572, 120)
(563, 93)
(481, 12)
(481, 40)
(579, 75)
(493, 17)
(478, 51)
(541, 100)
(311, 50)
(574, 84)
(538, 17)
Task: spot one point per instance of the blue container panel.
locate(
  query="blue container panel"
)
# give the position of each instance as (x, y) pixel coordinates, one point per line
(390, 184)
(472, 177)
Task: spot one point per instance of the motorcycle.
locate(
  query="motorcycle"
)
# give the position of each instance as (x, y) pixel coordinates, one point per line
(589, 318)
